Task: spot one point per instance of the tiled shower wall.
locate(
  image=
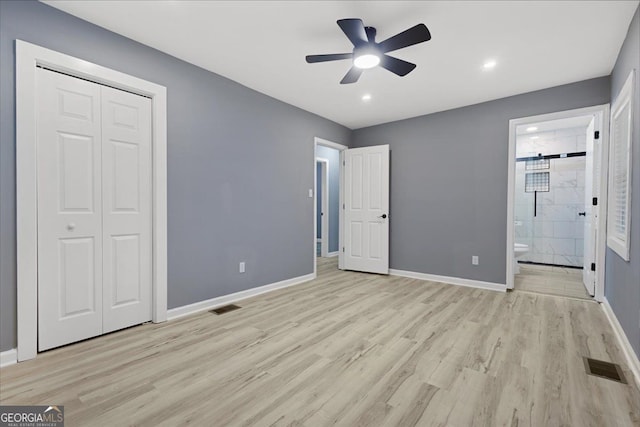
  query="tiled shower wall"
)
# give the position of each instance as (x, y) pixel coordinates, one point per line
(555, 235)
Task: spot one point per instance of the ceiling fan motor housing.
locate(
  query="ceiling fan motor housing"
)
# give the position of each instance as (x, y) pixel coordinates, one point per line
(371, 34)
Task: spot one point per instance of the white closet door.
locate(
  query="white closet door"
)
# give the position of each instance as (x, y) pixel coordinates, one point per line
(126, 192)
(69, 210)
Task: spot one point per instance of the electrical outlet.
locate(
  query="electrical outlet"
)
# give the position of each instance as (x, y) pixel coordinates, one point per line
(310, 193)
(241, 267)
(474, 260)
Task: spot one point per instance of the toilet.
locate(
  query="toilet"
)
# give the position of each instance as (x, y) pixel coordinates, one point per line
(519, 249)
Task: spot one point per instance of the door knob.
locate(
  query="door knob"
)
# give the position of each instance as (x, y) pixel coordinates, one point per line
(383, 216)
(71, 226)
(582, 214)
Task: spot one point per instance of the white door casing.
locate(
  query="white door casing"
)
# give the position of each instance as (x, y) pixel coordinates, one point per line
(601, 160)
(366, 209)
(28, 58)
(126, 154)
(69, 209)
(590, 217)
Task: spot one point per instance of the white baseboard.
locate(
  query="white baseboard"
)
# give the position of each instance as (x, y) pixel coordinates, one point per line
(632, 357)
(450, 280)
(332, 254)
(212, 303)
(8, 357)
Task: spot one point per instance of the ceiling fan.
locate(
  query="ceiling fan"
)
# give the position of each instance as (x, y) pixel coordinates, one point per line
(368, 54)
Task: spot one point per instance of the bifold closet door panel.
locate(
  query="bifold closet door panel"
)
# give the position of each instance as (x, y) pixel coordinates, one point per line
(69, 170)
(126, 193)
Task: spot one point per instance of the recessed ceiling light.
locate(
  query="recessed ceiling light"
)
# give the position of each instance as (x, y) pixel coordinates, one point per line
(532, 129)
(535, 137)
(489, 64)
(366, 97)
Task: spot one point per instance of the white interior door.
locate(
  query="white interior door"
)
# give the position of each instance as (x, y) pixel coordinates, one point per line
(590, 218)
(126, 192)
(366, 209)
(94, 209)
(69, 210)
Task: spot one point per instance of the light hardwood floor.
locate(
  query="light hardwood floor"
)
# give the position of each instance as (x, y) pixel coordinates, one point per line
(550, 280)
(350, 349)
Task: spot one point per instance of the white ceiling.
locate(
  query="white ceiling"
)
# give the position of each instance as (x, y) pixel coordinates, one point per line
(262, 45)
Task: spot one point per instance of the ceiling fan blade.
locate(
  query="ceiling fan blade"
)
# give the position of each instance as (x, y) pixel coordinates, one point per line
(396, 66)
(352, 75)
(330, 57)
(414, 35)
(354, 29)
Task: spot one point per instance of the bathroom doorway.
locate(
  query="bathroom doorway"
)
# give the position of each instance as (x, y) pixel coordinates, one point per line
(557, 194)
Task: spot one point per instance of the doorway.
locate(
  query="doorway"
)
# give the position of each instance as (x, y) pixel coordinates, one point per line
(327, 200)
(557, 195)
(29, 59)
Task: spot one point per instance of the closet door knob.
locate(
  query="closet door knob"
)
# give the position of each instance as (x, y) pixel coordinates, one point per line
(71, 226)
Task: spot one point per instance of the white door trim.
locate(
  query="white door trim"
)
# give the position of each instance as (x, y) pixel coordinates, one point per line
(324, 206)
(602, 113)
(326, 143)
(28, 57)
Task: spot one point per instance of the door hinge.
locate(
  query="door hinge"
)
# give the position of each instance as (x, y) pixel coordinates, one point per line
(596, 134)
(343, 249)
(593, 266)
(594, 201)
(343, 206)
(343, 163)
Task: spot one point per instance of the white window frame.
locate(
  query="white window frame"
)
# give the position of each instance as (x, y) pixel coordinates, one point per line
(618, 240)
(28, 58)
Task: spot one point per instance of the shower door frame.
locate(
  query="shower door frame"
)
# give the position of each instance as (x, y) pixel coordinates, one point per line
(602, 113)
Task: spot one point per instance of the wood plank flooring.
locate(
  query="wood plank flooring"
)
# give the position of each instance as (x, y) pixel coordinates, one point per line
(550, 280)
(349, 349)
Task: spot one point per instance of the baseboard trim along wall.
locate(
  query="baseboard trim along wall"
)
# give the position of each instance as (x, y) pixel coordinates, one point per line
(332, 254)
(450, 280)
(632, 358)
(8, 357)
(212, 303)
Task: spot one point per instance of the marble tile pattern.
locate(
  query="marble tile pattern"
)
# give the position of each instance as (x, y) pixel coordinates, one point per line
(555, 235)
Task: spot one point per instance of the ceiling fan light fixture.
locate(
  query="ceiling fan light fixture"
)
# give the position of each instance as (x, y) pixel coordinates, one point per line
(366, 60)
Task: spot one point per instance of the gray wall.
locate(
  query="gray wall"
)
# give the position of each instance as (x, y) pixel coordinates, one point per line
(237, 160)
(449, 180)
(333, 156)
(622, 282)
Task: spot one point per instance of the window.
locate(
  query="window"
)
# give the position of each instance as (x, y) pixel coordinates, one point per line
(618, 226)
